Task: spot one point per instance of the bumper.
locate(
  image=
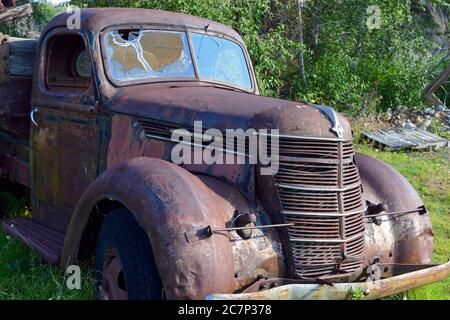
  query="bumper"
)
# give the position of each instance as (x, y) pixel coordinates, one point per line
(402, 278)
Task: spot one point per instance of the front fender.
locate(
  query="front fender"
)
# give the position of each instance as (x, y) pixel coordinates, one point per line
(403, 239)
(169, 202)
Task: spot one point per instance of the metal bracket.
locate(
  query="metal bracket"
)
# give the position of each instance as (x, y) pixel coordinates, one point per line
(198, 234)
(421, 210)
(207, 232)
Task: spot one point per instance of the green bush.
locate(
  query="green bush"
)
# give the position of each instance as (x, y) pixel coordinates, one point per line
(348, 65)
(353, 64)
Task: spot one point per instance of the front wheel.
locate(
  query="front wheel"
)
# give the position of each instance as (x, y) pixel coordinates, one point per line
(125, 265)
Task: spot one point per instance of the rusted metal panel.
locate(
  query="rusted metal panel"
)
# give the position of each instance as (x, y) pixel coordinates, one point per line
(14, 159)
(406, 139)
(16, 170)
(44, 240)
(63, 162)
(221, 109)
(128, 141)
(15, 106)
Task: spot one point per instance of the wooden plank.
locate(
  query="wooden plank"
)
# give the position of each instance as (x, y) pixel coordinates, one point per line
(17, 57)
(7, 5)
(4, 59)
(21, 56)
(16, 12)
(406, 139)
(437, 83)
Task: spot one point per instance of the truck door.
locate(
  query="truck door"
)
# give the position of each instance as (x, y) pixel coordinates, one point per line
(65, 132)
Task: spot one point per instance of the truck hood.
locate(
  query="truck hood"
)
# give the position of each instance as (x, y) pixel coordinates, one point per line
(222, 109)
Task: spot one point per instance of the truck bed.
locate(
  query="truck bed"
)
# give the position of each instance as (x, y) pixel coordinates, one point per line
(16, 70)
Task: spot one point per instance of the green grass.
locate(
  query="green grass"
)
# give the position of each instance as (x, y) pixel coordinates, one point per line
(428, 172)
(24, 276)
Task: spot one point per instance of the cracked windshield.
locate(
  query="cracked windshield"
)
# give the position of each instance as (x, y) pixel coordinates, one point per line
(152, 54)
(136, 55)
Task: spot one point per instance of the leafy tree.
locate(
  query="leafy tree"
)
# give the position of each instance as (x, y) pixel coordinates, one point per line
(43, 11)
(353, 63)
(348, 65)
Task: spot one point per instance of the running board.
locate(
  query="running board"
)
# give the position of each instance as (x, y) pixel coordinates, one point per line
(46, 242)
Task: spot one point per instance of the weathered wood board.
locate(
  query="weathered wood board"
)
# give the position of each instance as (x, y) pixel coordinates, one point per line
(17, 57)
(406, 139)
(4, 59)
(21, 56)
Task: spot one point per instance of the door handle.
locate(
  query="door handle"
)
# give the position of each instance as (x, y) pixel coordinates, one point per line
(33, 111)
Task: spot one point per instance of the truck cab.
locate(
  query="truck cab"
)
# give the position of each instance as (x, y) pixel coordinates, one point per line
(89, 131)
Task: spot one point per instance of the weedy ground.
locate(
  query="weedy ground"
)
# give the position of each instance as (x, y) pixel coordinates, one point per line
(428, 172)
(24, 276)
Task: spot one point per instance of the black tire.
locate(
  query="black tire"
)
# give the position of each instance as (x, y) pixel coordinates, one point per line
(121, 232)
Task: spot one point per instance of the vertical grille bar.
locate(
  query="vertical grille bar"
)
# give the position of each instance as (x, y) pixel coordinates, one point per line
(341, 200)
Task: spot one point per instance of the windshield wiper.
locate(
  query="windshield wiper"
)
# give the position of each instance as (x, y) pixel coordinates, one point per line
(225, 87)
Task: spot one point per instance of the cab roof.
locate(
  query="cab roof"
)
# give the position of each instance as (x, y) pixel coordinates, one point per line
(97, 19)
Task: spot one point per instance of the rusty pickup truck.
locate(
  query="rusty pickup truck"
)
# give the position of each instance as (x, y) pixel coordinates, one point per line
(87, 125)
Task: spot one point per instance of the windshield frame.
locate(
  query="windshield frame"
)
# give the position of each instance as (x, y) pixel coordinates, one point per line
(196, 77)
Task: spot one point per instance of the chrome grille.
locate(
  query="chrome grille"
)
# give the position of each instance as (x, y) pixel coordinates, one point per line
(320, 193)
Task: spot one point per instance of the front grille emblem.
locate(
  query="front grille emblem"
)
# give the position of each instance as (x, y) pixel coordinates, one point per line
(332, 116)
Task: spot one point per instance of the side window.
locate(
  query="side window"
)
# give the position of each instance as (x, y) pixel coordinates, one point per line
(68, 64)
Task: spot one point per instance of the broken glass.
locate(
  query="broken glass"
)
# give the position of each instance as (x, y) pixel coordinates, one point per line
(147, 54)
(141, 55)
